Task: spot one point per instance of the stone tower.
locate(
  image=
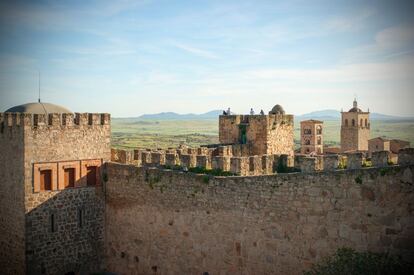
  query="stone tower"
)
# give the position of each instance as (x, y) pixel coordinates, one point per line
(311, 136)
(355, 129)
(264, 134)
(51, 191)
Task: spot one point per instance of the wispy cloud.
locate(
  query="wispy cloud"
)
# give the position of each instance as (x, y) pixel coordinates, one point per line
(194, 50)
(351, 22)
(391, 42)
(365, 72)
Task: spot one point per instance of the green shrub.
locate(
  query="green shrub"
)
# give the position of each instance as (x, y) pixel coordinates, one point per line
(358, 179)
(347, 261)
(213, 172)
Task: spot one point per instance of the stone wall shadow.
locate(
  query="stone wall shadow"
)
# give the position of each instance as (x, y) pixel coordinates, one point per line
(65, 231)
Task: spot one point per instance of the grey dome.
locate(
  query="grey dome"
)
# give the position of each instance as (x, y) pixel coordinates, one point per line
(38, 108)
(355, 110)
(277, 110)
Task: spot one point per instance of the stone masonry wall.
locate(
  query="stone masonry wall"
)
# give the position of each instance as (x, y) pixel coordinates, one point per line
(71, 247)
(166, 222)
(12, 220)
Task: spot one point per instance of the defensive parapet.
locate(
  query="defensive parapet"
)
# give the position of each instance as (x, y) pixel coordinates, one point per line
(222, 158)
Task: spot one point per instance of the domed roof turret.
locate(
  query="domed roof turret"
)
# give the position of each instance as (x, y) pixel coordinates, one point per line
(277, 110)
(355, 108)
(38, 108)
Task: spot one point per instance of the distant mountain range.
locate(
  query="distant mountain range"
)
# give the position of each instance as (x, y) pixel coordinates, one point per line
(336, 115)
(171, 115)
(321, 115)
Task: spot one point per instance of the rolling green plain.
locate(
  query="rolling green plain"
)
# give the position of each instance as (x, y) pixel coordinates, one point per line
(129, 133)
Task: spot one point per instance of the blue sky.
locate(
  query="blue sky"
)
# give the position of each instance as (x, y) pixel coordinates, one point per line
(135, 57)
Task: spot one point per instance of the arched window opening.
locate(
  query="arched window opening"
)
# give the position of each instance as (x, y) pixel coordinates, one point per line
(307, 142)
(366, 122)
(319, 141)
(319, 130)
(353, 122)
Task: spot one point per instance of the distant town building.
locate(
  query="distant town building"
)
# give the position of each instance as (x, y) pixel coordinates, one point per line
(398, 144)
(378, 144)
(355, 129)
(383, 144)
(311, 136)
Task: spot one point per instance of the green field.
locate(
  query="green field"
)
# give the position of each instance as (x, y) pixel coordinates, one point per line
(130, 133)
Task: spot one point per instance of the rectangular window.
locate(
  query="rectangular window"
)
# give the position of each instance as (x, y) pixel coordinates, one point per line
(45, 180)
(69, 177)
(52, 223)
(91, 176)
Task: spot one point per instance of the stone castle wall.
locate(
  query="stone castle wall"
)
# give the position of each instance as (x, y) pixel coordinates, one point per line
(167, 222)
(12, 219)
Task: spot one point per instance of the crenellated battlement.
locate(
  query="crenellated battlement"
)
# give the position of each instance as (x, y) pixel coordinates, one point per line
(223, 158)
(54, 119)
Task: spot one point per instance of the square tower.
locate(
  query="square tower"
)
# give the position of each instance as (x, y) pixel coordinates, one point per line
(355, 129)
(311, 138)
(51, 190)
(265, 134)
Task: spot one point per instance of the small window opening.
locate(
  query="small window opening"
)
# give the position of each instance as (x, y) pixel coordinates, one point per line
(346, 122)
(319, 141)
(353, 122)
(91, 175)
(319, 130)
(307, 142)
(366, 122)
(45, 180)
(52, 223)
(69, 177)
(81, 217)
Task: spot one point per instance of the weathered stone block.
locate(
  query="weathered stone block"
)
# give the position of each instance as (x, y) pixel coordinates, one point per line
(172, 159)
(239, 166)
(188, 161)
(380, 158)
(354, 160)
(221, 162)
(267, 164)
(255, 165)
(406, 156)
(308, 164)
(330, 162)
(146, 157)
(203, 161)
(158, 158)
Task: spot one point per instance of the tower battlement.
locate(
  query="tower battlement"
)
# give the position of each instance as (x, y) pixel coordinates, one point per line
(266, 133)
(37, 121)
